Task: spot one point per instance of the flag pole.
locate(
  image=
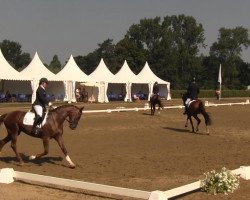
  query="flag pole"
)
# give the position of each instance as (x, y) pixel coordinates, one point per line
(220, 80)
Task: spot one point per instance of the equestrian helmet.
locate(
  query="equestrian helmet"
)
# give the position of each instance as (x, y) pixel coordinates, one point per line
(43, 80)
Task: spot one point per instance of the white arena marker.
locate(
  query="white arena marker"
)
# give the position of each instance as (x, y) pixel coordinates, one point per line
(108, 111)
(158, 195)
(6, 175)
(245, 172)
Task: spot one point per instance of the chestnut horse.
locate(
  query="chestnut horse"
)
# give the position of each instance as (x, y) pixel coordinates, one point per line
(53, 128)
(155, 99)
(196, 107)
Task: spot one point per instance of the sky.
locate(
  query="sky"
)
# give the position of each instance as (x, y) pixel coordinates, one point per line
(76, 27)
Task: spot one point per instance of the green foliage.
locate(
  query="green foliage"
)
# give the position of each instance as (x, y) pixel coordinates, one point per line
(55, 65)
(176, 94)
(227, 50)
(171, 45)
(12, 52)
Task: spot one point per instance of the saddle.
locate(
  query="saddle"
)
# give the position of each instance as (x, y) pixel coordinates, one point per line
(30, 117)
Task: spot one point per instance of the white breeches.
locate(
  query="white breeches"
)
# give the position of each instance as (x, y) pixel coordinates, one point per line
(187, 101)
(39, 110)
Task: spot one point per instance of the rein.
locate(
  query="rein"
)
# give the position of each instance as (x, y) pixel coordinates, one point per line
(70, 122)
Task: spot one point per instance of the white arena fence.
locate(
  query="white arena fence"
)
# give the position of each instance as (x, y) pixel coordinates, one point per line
(8, 175)
(147, 107)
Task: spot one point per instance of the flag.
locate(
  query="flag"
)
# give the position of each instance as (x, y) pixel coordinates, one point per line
(219, 77)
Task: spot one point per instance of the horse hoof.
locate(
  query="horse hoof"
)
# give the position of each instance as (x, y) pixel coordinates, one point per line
(32, 157)
(72, 166)
(21, 164)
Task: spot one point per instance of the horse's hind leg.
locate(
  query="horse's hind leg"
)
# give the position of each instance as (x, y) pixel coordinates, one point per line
(13, 133)
(198, 122)
(45, 152)
(191, 121)
(14, 147)
(4, 141)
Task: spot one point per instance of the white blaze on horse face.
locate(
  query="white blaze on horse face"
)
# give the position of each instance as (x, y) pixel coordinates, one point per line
(69, 160)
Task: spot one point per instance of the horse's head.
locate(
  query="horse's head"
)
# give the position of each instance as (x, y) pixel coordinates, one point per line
(74, 116)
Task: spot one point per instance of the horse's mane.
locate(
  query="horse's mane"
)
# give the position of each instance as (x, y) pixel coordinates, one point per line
(62, 107)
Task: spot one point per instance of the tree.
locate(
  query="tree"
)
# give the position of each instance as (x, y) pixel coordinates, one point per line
(127, 49)
(228, 51)
(12, 52)
(176, 55)
(55, 65)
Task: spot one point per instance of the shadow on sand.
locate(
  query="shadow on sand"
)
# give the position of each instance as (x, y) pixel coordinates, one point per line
(40, 161)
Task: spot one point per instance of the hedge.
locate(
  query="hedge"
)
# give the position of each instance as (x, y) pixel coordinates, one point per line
(175, 94)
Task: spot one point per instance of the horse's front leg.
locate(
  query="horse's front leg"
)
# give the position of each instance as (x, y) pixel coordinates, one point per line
(45, 152)
(60, 142)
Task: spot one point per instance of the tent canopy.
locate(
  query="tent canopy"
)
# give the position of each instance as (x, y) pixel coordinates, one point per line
(102, 74)
(70, 70)
(36, 70)
(7, 71)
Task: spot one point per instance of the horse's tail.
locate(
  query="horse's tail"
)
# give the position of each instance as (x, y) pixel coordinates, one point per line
(2, 117)
(208, 120)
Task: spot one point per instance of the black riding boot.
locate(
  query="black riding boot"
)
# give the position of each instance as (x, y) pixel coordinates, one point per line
(37, 121)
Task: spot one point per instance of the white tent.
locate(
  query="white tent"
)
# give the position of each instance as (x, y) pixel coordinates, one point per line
(11, 80)
(71, 74)
(7, 71)
(103, 76)
(62, 84)
(146, 76)
(92, 89)
(126, 76)
(35, 71)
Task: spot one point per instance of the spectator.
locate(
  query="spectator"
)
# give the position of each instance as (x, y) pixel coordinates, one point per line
(78, 95)
(8, 95)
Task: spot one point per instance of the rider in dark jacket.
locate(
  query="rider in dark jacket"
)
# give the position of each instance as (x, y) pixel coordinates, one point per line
(192, 93)
(156, 88)
(40, 103)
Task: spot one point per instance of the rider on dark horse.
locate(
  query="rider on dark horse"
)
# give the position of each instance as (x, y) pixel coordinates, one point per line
(192, 94)
(39, 105)
(156, 89)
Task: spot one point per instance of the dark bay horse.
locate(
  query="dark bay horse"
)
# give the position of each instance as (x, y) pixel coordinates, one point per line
(155, 100)
(53, 128)
(197, 107)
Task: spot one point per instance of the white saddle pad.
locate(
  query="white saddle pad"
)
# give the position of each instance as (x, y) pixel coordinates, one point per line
(189, 101)
(30, 117)
(188, 104)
